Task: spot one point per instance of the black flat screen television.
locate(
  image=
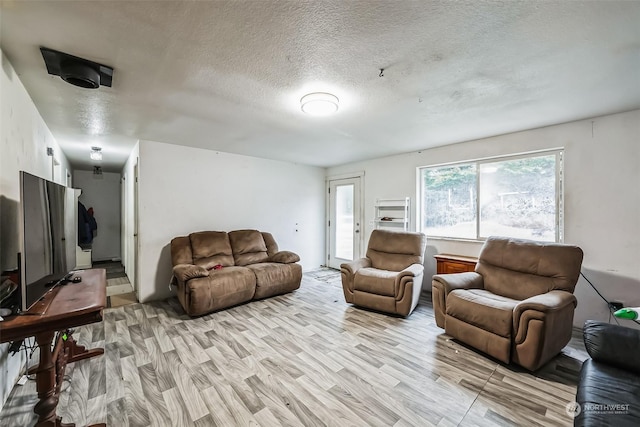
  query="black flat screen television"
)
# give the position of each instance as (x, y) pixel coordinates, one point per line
(48, 220)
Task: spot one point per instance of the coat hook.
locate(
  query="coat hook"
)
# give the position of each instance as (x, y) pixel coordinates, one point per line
(381, 72)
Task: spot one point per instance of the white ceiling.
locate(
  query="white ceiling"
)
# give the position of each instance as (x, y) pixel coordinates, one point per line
(228, 75)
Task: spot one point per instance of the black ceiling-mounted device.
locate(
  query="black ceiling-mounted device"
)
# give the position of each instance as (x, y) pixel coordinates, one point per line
(77, 71)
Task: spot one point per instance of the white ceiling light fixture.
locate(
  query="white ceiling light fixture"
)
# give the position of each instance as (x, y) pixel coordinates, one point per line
(96, 153)
(319, 104)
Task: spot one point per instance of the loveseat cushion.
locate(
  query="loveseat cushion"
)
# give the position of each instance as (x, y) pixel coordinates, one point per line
(211, 248)
(483, 309)
(248, 247)
(181, 251)
(612, 344)
(275, 278)
(374, 281)
(601, 384)
(270, 242)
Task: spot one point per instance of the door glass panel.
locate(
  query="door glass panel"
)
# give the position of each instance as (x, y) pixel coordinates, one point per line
(344, 221)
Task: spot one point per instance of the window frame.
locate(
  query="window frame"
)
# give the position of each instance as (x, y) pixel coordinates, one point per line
(559, 190)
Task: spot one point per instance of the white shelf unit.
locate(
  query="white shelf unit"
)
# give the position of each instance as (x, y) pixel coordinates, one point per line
(397, 210)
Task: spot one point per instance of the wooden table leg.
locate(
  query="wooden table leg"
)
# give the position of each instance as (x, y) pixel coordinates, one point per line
(47, 377)
(78, 352)
(46, 382)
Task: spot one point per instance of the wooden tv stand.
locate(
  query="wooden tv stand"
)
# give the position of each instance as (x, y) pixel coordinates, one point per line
(67, 306)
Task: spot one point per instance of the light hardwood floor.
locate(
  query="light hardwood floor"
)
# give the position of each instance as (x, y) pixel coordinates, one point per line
(305, 358)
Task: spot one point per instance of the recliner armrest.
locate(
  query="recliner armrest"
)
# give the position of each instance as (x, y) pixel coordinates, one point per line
(355, 265)
(613, 344)
(552, 300)
(468, 280)
(408, 275)
(348, 271)
(542, 305)
(413, 270)
(284, 257)
(184, 272)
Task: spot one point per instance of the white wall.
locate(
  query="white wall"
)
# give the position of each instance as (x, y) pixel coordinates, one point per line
(183, 190)
(24, 138)
(128, 215)
(602, 199)
(102, 192)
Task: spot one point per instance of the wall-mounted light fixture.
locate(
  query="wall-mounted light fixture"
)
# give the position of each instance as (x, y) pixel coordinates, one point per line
(319, 104)
(96, 153)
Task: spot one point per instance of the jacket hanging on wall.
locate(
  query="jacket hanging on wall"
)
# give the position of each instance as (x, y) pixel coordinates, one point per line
(85, 236)
(93, 225)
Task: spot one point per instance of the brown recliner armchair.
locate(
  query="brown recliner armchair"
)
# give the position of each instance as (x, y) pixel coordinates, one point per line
(518, 304)
(389, 279)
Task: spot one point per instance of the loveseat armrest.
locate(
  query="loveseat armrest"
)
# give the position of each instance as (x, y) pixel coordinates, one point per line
(615, 345)
(284, 257)
(352, 267)
(184, 272)
(450, 282)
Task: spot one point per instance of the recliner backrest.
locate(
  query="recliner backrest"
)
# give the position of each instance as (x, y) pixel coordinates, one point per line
(248, 247)
(394, 250)
(211, 248)
(181, 251)
(519, 269)
(270, 242)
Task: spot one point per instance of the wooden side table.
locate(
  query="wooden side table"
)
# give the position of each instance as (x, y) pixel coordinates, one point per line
(447, 263)
(67, 306)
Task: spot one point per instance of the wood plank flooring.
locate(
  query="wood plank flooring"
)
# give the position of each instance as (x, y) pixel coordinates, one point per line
(119, 289)
(302, 359)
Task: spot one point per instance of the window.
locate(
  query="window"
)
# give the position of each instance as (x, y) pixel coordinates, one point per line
(516, 196)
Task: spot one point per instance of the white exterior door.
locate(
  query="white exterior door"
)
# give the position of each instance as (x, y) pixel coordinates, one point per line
(136, 248)
(345, 220)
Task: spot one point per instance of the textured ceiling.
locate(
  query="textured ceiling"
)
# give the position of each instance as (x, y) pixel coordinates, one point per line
(228, 75)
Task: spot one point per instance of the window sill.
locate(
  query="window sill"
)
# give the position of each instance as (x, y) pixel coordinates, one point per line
(455, 239)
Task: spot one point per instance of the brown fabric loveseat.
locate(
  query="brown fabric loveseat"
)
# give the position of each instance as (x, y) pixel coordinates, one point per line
(518, 304)
(216, 269)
